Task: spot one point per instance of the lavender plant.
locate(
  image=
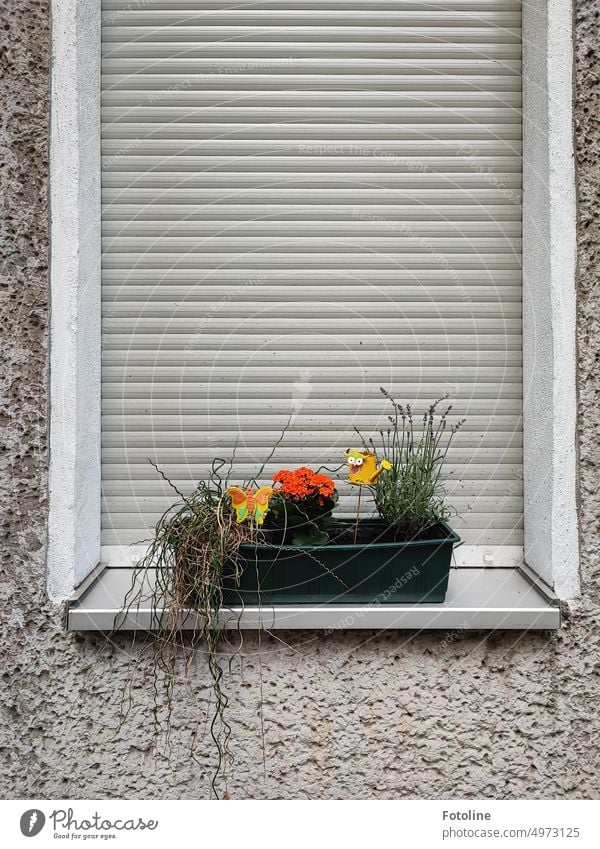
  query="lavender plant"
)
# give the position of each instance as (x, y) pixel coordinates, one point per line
(410, 497)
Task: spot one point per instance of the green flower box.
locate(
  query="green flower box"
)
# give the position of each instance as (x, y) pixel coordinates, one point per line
(386, 572)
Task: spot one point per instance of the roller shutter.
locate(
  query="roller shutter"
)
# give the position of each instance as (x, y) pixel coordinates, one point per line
(304, 200)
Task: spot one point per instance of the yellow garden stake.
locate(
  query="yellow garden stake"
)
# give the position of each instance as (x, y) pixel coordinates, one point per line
(362, 467)
(363, 471)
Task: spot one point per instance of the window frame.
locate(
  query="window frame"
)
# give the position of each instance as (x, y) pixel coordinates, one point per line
(549, 298)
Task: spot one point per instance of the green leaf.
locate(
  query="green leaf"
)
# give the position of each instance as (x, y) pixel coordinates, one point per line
(311, 537)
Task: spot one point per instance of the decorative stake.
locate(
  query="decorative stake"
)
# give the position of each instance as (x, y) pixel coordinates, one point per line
(363, 471)
(249, 504)
(362, 467)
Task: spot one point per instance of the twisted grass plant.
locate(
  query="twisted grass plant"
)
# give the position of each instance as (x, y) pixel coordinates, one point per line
(194, 552)
(410, 497)
(195, 546)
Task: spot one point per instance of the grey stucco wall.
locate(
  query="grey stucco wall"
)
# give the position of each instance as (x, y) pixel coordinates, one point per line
(353, 715)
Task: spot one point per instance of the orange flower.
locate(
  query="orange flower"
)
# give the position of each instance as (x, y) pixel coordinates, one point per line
(303, 483)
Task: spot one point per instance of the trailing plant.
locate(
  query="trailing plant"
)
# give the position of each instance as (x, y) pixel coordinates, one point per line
(302, 502)
(195, 546)
(193, 552)
(410, 496)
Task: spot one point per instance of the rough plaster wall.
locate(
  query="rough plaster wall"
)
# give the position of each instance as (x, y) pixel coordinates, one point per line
(352, 715)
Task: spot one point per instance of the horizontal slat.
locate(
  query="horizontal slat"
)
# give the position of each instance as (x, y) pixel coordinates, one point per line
(274, 424)
(277, 396)
(473, 6)
(388, 296)
(249, 461)
(438, 111)
(296, 442)
(292, 246)
(310, 130)
(256, 260)
(315, 404)
(280, 325)
(457, 78)
(269, 68)
(470, 196)
(357, 313)
(490, 213)
(313, 229)
(337, 168)
(191, 472)
(311, 360)
(240, 278)
(427, 344)
(274, 394)
(195, 102)
(236, 32)
(289, 187)
(232, 281)
(423, 149)
(478, 44)
(202, 18)
(321, 439)
(185, 372)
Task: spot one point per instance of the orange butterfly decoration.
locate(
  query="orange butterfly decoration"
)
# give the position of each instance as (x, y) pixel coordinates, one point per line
(250, 504)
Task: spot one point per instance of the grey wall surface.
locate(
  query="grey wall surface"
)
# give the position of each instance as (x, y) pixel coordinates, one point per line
(352, 715)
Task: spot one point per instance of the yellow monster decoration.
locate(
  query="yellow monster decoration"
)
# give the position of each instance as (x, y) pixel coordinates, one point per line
(362, 467)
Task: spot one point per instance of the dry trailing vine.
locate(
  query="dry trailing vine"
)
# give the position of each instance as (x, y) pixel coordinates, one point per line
(194, 548)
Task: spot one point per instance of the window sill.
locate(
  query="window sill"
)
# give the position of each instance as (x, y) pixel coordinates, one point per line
(491, 598)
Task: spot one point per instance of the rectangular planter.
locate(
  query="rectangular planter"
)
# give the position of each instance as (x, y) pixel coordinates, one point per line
(377, 573)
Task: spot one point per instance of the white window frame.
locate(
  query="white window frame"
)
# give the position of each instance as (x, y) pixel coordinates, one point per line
(549, 299)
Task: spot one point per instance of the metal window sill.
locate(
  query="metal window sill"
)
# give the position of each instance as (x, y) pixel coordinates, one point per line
(491, 598)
